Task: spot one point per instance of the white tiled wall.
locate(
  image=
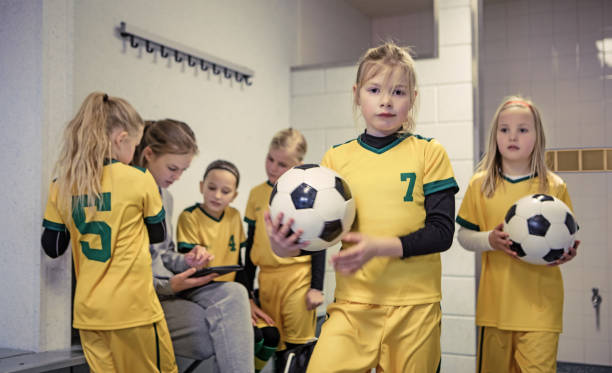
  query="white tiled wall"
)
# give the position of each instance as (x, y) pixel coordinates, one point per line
(414, 29)
(555, 52)
(321, 107)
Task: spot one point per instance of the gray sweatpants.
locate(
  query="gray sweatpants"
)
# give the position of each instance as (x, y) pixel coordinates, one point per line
(213, 320)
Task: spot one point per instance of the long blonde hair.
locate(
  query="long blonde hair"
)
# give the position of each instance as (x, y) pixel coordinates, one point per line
(388, 55)
(290, 140)
(87, 144)
(491, 162)
(166, 136)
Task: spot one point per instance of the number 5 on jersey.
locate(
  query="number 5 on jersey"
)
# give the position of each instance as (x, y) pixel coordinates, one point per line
(99, 228)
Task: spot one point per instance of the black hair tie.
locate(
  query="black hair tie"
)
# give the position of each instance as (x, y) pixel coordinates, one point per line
(105, 98)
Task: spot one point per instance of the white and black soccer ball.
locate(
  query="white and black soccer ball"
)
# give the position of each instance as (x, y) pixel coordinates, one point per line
(541, 228)
(319, 201)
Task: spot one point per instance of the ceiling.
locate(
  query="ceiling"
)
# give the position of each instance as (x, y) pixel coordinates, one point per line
(385, 8)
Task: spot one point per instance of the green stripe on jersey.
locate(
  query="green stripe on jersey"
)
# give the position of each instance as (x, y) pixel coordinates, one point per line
(54, 226)
(439, 185)
(157, 218)
(185, 245)
(466, 224)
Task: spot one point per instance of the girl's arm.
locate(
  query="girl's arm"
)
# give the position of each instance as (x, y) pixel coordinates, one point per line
(436, 236)
(157, 232)
(314, 296)
(472, 240)
(54, 243)
(247, 276)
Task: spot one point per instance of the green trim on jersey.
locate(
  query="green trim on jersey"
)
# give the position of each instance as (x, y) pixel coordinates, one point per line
(157, 218)
(249, 221)
(428, 139)
(438, 185)
(142, 169)
(157, 347)
(346, 142)
(269, 183)
(191, 208)
(383, 149)
(466, 224)
(210, 216)
(54, 226)
(514, 181)
(185, 245)
(109, 161)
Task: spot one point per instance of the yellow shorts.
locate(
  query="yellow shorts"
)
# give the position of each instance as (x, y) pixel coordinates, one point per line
(513, 351)
(358, 337)
(282, 294)
(146, 348)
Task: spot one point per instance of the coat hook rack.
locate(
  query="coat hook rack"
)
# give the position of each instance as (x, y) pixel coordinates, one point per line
(181, 52)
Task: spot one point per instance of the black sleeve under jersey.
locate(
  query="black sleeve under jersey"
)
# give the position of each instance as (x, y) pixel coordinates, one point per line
(318, 270)
(54, 243)
(437, 234)
(157, 232)
(247, 276)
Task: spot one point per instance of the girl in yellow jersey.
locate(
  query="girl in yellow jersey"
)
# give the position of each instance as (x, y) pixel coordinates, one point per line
(206, 322)
(290, 289)
(216, 225)
(386, 314)
(110, 212)
(520, 305)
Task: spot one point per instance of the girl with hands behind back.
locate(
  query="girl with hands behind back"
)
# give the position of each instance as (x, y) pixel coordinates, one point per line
(290, 289)
(520, 305)
(386, 313)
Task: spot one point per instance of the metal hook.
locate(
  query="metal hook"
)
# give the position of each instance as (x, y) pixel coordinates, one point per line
(163, 52)
(203, 65)
(596, 298)
(133, 41)
(191, 61)
(177, 58)
(239, 77)
(215, 69)
(148, 47)
(246, 80)
(227, 73)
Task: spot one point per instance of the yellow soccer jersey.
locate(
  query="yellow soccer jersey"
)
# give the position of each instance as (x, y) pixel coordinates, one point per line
(513, 295)
(110, 248)
(389, 186)
(261, 253)
(222, 237)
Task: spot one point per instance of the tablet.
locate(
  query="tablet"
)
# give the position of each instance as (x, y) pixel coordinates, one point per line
(221, 270)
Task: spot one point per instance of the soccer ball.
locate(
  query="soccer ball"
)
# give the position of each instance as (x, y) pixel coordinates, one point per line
(541, 228)
(318, 200)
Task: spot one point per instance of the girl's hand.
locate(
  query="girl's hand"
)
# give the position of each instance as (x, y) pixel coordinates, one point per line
(282, 243)
(314, 298)
(182, 281)
(571, 254)
(499, 240)
(257, 313)
(350, 260)
(198, 257)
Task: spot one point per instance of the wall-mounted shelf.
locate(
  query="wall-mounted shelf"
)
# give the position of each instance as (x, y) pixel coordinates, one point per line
(579, 160)
(194, 58)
